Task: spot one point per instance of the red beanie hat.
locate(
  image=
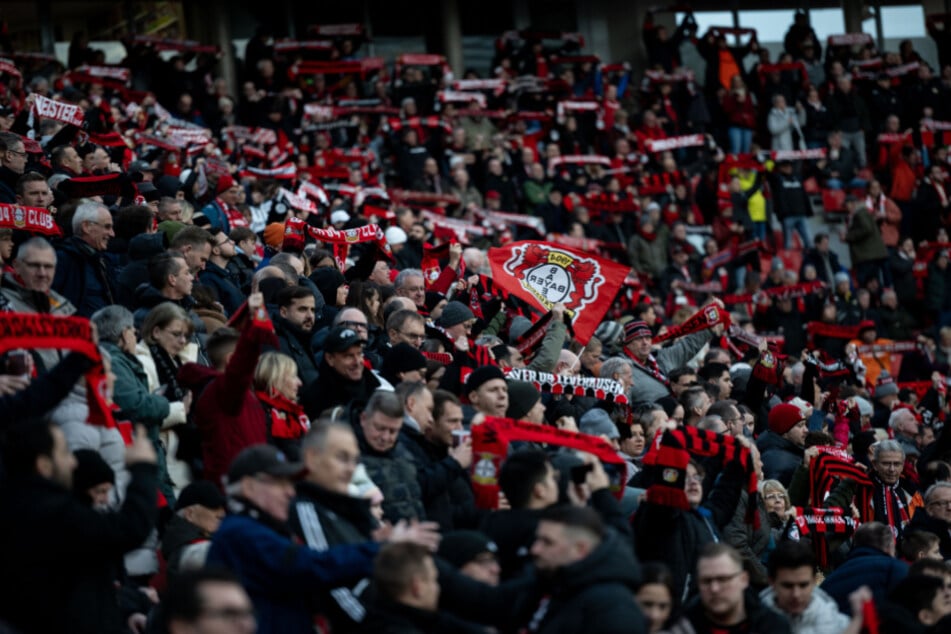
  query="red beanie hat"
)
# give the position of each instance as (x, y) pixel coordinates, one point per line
(784, 417)
(225, 183)
(666, 465)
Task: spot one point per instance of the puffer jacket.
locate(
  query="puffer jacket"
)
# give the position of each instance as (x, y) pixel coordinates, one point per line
(780, 457)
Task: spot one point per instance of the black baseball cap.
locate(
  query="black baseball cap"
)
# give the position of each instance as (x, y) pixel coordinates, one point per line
(342, 338)
(265, 459)
(203, 493)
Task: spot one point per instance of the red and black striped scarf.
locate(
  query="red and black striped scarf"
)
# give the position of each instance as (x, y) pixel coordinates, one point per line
(817, 524)
(649, 366)
(888, 506)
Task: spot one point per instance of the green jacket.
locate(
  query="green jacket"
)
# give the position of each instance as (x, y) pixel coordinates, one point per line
(865, 238)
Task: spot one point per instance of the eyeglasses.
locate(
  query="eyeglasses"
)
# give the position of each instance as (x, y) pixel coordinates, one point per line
(39, 266)
(720, 581)
(413, 336)
(945, 503)
(354, 324)
(224, 242)
(105, 225)
(17, 152)
(414, 289)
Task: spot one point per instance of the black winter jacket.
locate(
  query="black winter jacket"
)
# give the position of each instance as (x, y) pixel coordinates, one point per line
(63, 557)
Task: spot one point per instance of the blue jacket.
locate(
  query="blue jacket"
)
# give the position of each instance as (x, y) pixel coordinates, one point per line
(865, 566)
(216, 216)
(83, 276)
(224, 285)
(282, 577)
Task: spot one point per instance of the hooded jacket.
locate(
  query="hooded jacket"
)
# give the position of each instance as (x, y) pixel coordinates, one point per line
(821, 616)
(142, 248)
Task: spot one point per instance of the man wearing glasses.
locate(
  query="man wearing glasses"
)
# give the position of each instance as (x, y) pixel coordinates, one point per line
(83, 275)
(217, 275)
(29, 291)
(935, 517)
(12, 165)
(406, 326)
(723, 604)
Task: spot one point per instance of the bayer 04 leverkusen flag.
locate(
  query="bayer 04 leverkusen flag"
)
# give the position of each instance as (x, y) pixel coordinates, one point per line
(544, 274)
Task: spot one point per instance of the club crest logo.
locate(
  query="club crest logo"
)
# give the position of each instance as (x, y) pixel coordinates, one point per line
(485, 471)
(552, 275)
(19, 217)
(670, 476)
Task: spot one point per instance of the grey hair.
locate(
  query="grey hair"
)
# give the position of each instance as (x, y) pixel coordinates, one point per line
(934, 489)
(111, 321)
(896, 417)
(886, 446)
(316, 438)
(86, 212)
(711, 422)
(387, 403)
(37, 243)
(613, 365)
(404, 275)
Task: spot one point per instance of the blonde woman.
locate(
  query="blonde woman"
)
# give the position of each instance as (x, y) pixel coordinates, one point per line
(276, 385)
(165, 346)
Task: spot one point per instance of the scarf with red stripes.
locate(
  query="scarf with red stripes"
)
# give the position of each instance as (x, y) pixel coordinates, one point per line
(287, 418)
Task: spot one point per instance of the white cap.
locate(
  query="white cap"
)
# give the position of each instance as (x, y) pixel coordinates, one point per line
(395, 235)
(339, 216)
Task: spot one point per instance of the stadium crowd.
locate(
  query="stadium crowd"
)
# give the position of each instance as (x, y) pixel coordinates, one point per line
(266, 365)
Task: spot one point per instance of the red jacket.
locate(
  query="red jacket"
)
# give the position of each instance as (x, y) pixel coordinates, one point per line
(226, 411)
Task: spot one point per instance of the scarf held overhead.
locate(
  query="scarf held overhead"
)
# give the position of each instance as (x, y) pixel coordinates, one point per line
(20, 330)
(490, 446)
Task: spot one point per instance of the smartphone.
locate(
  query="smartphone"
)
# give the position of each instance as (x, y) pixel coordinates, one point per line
(18, 363)
(580, 473)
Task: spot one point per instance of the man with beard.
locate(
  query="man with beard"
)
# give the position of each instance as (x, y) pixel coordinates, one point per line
(65, 552)
(293, 325)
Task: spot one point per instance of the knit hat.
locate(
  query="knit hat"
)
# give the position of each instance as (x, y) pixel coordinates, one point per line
(522, 398)
(866, 324)
(666, 470)
(482, 375)
(518, 327)
(841, 277)
(170, 228)
(402, 357)
(454, 313)
(394, 236)
(462, 547)
(203, 493)
(293, 235)
(91, 470)
(339, 216)
(609, 333)
(274, 235)
(865, 408)
(635, 330)
(597, 422)
(225, 183)
(885, 386)
(784, 417)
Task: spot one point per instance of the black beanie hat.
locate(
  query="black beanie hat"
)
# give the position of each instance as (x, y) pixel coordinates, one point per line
(483, 375)
(522, 398)
(461, 547)
(91, 470)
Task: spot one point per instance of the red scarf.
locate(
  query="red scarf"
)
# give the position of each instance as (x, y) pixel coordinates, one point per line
(650, 366)
(288, 419)
(20, 330)
(490, 444)
(706, 318)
